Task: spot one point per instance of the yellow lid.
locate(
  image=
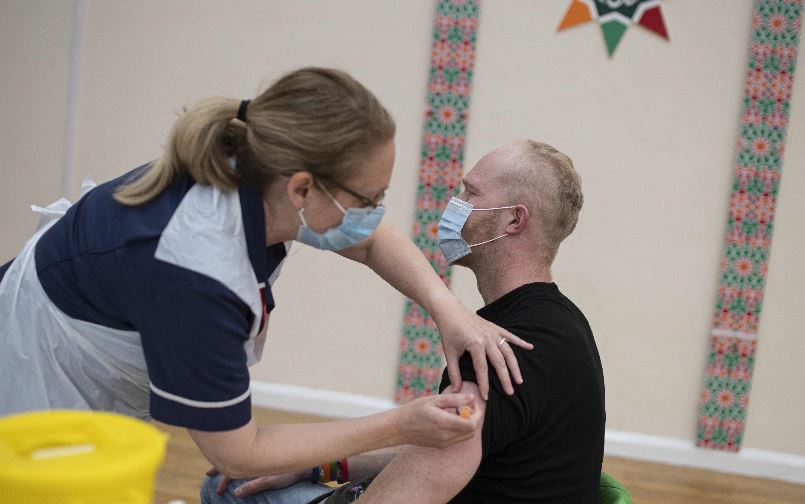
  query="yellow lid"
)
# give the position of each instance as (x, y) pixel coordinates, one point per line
(74, 453)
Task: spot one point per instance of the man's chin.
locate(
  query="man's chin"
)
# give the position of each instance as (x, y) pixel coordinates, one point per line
(463, 261)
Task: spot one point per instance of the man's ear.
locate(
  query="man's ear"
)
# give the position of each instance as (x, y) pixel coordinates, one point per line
(299, 186)
(519, 220)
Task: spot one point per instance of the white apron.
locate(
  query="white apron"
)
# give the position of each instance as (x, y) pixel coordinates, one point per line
(53, 361)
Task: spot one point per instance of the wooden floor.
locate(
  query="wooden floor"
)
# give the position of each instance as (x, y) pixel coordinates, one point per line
(649, 483)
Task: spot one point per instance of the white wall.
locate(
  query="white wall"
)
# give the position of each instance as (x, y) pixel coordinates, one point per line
(652, 131)
(35, 46)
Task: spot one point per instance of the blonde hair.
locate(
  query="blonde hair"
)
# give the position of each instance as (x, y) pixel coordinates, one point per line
(548, 179)
(315, 119)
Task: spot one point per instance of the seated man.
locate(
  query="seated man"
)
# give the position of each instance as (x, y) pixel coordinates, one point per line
(545, 443)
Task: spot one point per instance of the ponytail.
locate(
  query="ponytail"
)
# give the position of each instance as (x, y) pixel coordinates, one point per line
(317, 120)
(199, 145)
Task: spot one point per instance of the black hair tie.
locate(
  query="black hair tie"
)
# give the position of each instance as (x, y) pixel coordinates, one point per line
(242, 110)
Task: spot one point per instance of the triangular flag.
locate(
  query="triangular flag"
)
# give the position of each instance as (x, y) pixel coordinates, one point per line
(615, 16)
(652, 19)
(577, 13)
(613, 32)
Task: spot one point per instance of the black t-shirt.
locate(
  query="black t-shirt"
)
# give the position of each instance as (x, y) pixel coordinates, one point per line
(546, 442)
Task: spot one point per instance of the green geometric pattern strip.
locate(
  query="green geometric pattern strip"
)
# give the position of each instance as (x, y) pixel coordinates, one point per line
(776, 25)
(442, 159)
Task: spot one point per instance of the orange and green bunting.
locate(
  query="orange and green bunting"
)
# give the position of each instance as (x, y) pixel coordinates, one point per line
(615, 16)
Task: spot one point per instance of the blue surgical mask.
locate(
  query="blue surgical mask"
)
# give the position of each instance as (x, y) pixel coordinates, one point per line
(356, 225)
(453, 246)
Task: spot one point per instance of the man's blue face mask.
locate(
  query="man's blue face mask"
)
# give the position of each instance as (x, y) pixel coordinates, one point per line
(356, 225)
(453, 246)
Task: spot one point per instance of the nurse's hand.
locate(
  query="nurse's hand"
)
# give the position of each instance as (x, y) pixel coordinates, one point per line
(464, 331)
(432, 421)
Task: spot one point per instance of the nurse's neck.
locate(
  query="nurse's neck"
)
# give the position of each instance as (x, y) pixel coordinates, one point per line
(281, 218)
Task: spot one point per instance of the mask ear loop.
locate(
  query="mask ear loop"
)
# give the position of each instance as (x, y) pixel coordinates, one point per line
(301, 213)
(496, 208)
(489, 241)
(497, 237)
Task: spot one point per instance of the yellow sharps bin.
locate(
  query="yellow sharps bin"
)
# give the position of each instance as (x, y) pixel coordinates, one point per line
(78, 457)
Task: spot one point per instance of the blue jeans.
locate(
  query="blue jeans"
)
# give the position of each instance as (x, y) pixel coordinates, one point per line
(298, 493)
(4, 268)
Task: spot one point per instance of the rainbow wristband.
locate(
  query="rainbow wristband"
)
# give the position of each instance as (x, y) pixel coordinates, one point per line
(334, 471)
(343, 470)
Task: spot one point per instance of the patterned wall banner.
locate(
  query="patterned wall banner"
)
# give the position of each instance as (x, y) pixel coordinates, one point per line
(776, 25)
(440, 170)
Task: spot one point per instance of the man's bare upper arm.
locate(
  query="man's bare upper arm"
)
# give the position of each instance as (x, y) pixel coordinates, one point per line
(430, 475)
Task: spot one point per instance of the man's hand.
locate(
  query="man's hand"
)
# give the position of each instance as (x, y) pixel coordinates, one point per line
(260, 484)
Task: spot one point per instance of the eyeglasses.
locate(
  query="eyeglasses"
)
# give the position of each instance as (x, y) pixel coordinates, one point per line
(365, 201)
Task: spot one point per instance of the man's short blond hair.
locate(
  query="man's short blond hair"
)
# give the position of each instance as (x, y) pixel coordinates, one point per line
(547, 182)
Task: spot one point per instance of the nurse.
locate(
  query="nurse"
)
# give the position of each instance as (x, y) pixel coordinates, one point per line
(151, 295)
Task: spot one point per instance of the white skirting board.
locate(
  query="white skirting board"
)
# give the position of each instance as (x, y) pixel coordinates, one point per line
(681, 452)
(665, 450)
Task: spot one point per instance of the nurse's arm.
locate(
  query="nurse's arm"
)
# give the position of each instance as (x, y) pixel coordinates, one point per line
(253, 450)
(396, 259)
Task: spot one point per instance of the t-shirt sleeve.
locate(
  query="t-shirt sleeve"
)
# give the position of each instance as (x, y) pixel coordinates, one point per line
(193, 337)
(507, 418)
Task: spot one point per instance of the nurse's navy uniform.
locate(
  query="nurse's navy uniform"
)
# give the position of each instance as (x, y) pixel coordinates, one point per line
(151, 311)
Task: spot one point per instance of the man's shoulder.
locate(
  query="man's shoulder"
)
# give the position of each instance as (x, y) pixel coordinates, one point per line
(546, 317)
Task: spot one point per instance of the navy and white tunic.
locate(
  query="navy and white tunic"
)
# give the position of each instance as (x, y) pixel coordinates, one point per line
(187, 274)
